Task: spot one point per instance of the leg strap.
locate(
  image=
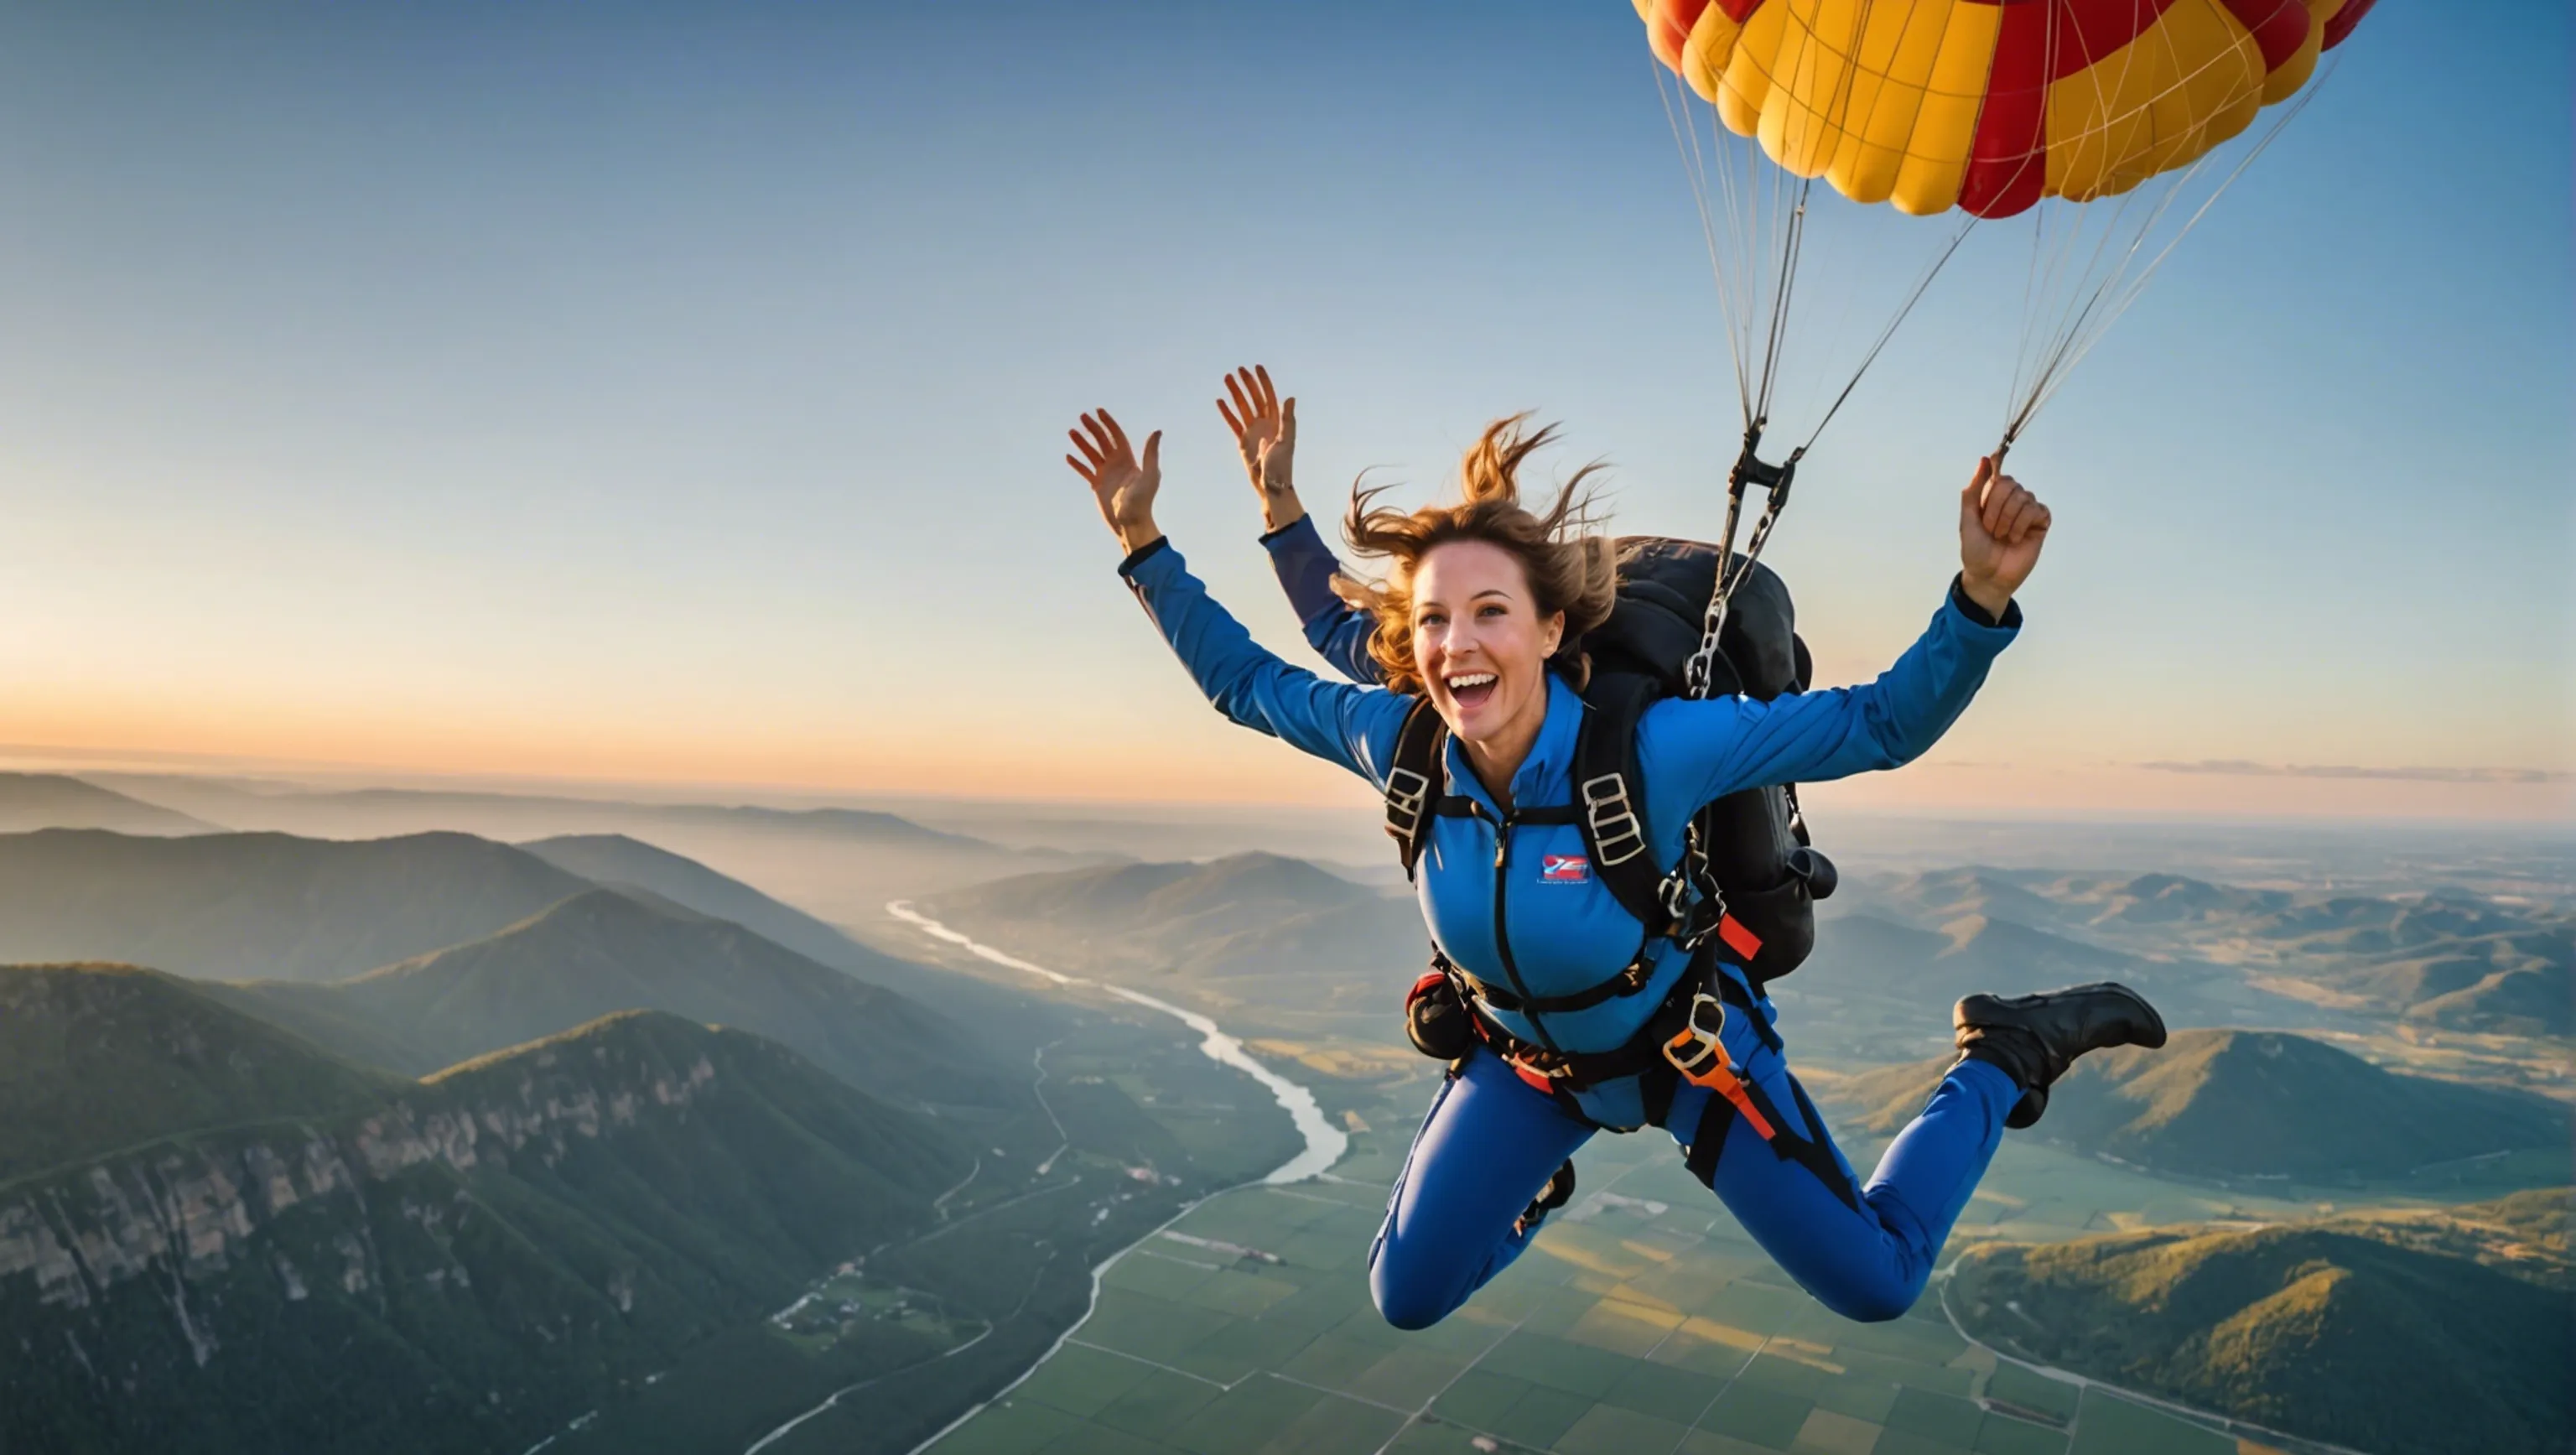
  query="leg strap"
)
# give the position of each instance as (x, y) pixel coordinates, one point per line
(1709, 1142)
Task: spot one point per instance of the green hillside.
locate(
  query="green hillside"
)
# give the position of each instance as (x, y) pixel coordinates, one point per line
(95, 1058)
(461, 1265)
(31, 801)
(2236, 1103)
(2329, 1330)
(603, 951)
(238, 906)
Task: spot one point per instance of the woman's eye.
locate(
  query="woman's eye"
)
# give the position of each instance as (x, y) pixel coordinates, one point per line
(1492, 611)
(1431, 618)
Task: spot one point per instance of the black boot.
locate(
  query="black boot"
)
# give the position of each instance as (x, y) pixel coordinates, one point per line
(1558, 1192)
(2034, 1038)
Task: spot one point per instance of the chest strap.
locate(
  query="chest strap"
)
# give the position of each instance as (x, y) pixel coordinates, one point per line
(1639, 974)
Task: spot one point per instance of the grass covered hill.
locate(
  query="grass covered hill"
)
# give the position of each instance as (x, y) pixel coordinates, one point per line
(98, 1057)
(606, 950)
(2236, 1103)
(2333, 1330)
(238, 906)
(31, 801)
(1247, 925)
(461, 1264)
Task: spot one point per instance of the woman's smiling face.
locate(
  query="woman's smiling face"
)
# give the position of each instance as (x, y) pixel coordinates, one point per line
(1479, 640)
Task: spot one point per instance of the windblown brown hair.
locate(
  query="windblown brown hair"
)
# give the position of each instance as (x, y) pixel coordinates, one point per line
(1569, 568)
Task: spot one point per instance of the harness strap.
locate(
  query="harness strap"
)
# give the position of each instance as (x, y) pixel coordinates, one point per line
(1684, 903)
(1582, 1070)
(1708, 1143)
(1640, 972)
(1732, 1097)
(1409, 782)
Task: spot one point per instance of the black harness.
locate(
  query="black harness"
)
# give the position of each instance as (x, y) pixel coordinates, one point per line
(1680, 1040)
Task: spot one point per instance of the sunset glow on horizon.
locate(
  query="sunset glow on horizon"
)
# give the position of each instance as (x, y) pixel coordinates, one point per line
(664, 397)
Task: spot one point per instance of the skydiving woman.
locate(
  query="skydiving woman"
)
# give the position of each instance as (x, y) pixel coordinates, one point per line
(1482, 613)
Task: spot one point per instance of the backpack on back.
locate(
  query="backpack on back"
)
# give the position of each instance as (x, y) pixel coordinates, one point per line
(1749, 858)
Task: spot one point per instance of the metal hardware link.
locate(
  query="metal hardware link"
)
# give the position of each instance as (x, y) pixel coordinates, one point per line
(1614, 819)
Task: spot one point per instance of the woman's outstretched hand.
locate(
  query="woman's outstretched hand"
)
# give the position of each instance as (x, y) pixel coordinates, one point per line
(1122, 484)
(1265, 430)
(2001, 528)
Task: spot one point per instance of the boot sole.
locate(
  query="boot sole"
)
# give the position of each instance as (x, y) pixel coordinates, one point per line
(1983, 1009)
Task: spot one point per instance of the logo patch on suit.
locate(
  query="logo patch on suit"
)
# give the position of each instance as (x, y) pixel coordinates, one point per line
(1564, 869)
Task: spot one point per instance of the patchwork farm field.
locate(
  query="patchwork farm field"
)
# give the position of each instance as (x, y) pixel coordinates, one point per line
(1642, 1320)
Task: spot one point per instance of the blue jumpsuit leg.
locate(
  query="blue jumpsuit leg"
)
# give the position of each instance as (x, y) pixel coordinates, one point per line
(1489, 1144)
(1868, 1262)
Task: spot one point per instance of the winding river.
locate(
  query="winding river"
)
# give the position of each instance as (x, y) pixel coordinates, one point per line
(1325, 1143)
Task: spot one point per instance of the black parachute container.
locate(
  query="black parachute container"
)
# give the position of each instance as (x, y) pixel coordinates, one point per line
(1749, 854)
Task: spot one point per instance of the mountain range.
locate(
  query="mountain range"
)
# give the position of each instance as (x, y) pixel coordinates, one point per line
(2240, 1103)
(239, 906)
(30, 801)
(844, 863)
(2446, 958)
(273, 1249)
(605, 950)
(2446, 1332)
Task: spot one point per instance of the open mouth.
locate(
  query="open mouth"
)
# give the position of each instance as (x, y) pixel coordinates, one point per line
(1471, 690)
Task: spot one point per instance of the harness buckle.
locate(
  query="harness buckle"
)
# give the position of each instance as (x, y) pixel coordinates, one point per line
(1406, 793)
(1613, 819)
(1695, 1050)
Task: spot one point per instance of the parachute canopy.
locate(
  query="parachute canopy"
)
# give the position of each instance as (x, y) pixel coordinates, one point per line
(1990, 105)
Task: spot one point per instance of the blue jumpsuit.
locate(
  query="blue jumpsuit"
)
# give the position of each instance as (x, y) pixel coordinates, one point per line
(1501, 897)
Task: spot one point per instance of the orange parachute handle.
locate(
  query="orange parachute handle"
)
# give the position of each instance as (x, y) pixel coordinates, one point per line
(1990, 105)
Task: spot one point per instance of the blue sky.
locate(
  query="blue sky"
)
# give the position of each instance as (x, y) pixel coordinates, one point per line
(659, 393)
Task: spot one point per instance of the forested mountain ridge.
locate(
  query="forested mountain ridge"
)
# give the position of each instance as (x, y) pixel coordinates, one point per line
(239, 906)
(98, 1057)
(458, 1264)
(2368, 1332)
(605, 950)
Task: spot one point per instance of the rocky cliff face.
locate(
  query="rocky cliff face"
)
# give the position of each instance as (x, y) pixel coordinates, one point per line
(467, 1262)
(179, 1213)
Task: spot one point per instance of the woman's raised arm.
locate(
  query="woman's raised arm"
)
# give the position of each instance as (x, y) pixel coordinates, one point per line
(1265, 434)
(1352, 726)
(1695, 751)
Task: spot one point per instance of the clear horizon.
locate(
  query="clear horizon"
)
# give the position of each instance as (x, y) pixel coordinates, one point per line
(548, 395)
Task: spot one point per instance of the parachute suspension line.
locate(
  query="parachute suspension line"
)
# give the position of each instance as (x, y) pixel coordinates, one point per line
(1686, 142)
(1699, 674)
(1921, 285)
(2082, 327)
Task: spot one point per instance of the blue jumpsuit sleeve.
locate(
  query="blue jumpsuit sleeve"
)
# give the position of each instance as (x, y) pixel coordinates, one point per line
(1694, 751)
(1337, 630)
(1355, 727)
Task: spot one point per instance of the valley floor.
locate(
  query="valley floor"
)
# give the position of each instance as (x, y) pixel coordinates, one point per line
(1641, 1320)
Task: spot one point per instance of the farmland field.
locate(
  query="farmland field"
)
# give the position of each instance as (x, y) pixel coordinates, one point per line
(1642, 1320)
